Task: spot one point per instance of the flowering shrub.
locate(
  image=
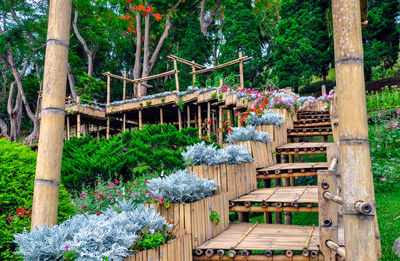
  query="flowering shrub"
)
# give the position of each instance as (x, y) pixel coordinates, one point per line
(201, 154)
(181, 187)
(248, 134)
(109, 235)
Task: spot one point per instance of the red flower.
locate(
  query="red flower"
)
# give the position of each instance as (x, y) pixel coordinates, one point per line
(116, 181)
(97, 212)
(155, 198)
(219, 129)
(204, 137)
(146, 181)
(10, 217)
(161, 201)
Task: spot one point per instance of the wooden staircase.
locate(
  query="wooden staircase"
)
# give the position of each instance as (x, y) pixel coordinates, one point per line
(266, 241)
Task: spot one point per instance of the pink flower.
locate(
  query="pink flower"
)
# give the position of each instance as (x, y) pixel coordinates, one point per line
(116, 181)
(134, 183)
(66, 247)
(83, 195)
(97, 212)
(161, 201)
(379, 115)
(111, 186)
(383, 179)
(73, 202)
(147, 195)
(133, 197)
(155, 198)
(96, 193)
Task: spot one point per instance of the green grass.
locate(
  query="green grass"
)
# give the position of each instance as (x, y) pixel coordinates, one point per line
(388, 209)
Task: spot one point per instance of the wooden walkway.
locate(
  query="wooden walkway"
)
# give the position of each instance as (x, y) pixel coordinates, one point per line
(303, 148)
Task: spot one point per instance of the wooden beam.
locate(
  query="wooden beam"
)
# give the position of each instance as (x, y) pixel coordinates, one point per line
(220, 121)
(124, 122)
(176, 75)
(98, 132)
(193, 74)
(108, 129)
(48, 167)
(68, 131)
(161, 115)
(188, 116)
(108, 89)
(246, 58)
(186, 62)
(78, 125)
(126, 79)
(355, 162)
(199, 119)
(241, 71)
(140, 119)
(124, 87)
(208, 119)
(179, 119)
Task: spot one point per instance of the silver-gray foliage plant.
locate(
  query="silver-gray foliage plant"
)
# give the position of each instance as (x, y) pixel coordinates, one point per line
(248, 133)
(93, 237)
(202, 154)
(182, 187)
(270, 117)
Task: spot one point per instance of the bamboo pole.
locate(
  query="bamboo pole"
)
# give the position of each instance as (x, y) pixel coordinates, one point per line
(286, 183)
(48, 167)
(68, 134)
(176, 75)
(78, 125)
(241, 71)
(188, 116)
(98, 132)
(140, 119)
(124, 122)
(124, 87)
(355, 163)
(139, 90)
(108, 129)
(208, 119)
(220, 119)
(194, 73)
(161, 115)
(108, 88)
(199, 119)
(323, 90)
(179, 119)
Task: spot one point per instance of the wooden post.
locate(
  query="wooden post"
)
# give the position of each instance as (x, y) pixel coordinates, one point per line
(98, 132)
(78, 125)
(220, 120)
(179, 119)
(229, 117)
(108, 129)
(193, 75)
(140, 119)
(68, 131)
(208, 119)
(213, 120)
(323, 90)
(108, 88)
(199, 119)
(139, 90)
(241, 71)
(221, 82)
(188, 116)
(176, 75)
(48, 167)
(161, 115)
(355, 162)
(239, 119)
(124, 88)
(124, 122)
(286, 183)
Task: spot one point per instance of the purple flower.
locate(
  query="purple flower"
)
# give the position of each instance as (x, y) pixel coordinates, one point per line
(379, 115)
(383, 179)
(83, 195)
(66, 247)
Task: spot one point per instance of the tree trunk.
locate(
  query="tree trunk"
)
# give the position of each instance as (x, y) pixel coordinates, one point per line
(71, 82)
(3, 129)
(205, 23)
(14, 112)
(138, 55)
(146, 51)
(324, 79)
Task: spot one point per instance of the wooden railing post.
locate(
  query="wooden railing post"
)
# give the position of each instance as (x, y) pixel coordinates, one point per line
(220, 121)
(48, 167)
(140, 119)
(188, 116)
(323, 90)
(68, 134)
(108, 128)
(161, 115)
(108, 88)
(179, 119)
(355, 163)
(193, 75)
(241, 71)
(208, 119)
(176, 75)
(199, 120)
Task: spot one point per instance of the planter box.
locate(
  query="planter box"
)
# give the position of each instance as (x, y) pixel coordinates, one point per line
(236, 179)
(277, 133)
(289, 120)
(179, 249)
(261, 152)
(194, 218)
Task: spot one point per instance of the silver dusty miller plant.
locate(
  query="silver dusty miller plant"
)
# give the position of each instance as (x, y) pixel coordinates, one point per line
(247, 133)
(272, 118)
(93, 237)
(182, 187)
(202, 154)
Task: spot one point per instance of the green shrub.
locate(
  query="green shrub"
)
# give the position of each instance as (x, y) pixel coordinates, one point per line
(126, 156)
(386, 99)
(17, 172)
(314, 88)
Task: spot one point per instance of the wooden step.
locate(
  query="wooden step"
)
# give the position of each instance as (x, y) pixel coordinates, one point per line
(320, 117)
(305, 124)
(297, 148)
(312, 112)
(248, 237)
(289, 170)
(279, 199)
(306, 134)
(310, 129)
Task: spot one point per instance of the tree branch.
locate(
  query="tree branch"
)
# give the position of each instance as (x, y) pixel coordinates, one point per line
(89, 53)
(205, 23)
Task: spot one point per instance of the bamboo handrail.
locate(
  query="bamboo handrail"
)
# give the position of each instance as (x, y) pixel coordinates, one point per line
(126, 79)
(246, 58)
(186, 62)
(245, 235)
(334, 198)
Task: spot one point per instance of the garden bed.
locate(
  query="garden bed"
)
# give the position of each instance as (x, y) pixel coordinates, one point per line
(261, 152)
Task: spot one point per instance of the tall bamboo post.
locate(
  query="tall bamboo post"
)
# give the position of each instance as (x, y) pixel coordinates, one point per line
(108, 88)
(139, 90)
(355, 163)
(176, 75)
(188, 116)
(179, 119)
(199, 119)
(161, 115)
(213, 120)
(78, 125)
(220, 120)
(48, 167)
(208, 119)
(98, 132)
(140, 119)
(68, 131)
(241, 71)
(193, 75)
(108, 129)
(124, 122)
(323, 90)
(286, 183)
(124, 98)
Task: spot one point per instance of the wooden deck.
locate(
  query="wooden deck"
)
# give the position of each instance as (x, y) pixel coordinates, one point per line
(288, 170)
(309, 124)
